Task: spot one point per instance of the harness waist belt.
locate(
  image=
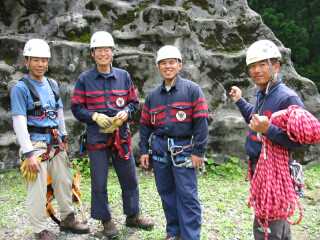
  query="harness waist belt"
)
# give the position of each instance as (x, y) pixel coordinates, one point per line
(175, 137)
(97, 146)
(43, 130)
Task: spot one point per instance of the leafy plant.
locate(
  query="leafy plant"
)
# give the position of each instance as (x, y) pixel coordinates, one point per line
(231, 169)
(297, 25)
(82, 164)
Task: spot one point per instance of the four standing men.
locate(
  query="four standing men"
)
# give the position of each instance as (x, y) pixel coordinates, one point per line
(173, 135)
(263, 62)
(174, 122)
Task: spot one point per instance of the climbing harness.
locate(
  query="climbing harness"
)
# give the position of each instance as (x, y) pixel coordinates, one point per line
(38, 110)
(175, 150)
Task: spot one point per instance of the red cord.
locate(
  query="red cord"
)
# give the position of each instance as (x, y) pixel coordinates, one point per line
(272, 193)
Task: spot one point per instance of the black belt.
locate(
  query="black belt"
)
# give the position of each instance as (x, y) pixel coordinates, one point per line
(42, 130)
(175, 137)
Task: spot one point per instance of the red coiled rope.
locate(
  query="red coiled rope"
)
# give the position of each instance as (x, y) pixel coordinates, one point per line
(272, 193)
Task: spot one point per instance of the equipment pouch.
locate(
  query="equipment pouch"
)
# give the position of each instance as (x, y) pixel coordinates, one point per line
(296, 173)
(83, 143)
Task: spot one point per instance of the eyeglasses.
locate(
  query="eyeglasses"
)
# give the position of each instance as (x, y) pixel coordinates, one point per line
(170, 62)
(102, 50)
(257, 66)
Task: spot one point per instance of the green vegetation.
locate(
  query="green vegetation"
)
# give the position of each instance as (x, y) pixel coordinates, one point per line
(297, 25)
(90, 6)
(143, 4)
(76, 36)
(223, 193)
(104, 9)
(125, 19)
(167, 2)
(201, 3)
(204, 4)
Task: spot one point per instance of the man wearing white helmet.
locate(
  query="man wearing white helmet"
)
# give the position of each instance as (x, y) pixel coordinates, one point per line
(38, 122)
(173, 137)
(263, 61)
(102, 96)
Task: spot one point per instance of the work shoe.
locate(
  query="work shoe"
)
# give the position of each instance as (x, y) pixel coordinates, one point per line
(70, 224)
(45, 235)
(172, 238)
(137, 221)
(109, 229)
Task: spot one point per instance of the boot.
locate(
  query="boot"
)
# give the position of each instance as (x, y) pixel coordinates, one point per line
(45, 235)
(109, 229)
(137, 221)
(70, 224)
(172, 238)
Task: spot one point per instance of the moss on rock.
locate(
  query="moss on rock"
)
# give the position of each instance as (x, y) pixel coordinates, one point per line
(167, 2)
(124, 19)
(104, 9)
(90, 6)
(79, 36)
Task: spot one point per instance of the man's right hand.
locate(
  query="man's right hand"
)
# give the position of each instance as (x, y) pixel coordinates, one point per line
(32, 164)
(235, 93)
(102, 120)
(30, 168)
(144, 161)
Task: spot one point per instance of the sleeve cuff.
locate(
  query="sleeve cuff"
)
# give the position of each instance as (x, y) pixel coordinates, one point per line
(27, 154)
(240, 102)
(198, 152)
(272, 130)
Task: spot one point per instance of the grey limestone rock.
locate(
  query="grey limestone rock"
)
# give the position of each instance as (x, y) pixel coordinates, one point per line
(211, 34)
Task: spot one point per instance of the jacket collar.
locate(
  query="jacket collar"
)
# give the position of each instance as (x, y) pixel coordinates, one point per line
(174, 87)
(272, 88)
(99, 75)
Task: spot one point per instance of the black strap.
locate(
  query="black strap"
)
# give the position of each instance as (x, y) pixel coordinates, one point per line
(54, 89)
(34, 93)
(42, 130)
(175, 137)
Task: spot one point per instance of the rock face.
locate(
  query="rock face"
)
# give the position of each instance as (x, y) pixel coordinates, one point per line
(211, 34)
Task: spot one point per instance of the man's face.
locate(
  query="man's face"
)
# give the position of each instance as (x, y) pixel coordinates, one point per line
(102, 55)
(169, 68)
(37, 67)
(260, 72)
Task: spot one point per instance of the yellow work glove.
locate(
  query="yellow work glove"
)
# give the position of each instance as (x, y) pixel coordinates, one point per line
(30, 176)
(116, 123)
(102, 120)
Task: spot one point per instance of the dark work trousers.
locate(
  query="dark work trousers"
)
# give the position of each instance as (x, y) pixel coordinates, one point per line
(126, 172)
(280, 229)
(178, 189)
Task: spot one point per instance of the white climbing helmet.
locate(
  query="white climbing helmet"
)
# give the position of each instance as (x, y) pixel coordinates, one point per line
(36, 48)
(168, 51)
(101, 39)
(262, 50)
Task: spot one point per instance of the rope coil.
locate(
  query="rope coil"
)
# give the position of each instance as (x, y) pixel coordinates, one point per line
(272, 193)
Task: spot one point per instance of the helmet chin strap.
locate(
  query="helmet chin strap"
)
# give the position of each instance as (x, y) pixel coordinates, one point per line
(28, 63)
(273, 77)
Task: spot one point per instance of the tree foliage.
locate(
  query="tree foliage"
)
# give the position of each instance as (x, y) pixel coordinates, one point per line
(297, 25)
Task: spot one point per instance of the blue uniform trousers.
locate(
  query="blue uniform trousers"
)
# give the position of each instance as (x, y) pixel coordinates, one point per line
(177, 187)
(126, 172)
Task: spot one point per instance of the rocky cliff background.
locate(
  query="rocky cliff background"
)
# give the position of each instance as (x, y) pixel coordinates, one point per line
(211, 34)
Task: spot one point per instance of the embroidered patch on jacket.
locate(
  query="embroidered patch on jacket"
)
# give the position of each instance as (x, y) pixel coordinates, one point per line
(181, 115)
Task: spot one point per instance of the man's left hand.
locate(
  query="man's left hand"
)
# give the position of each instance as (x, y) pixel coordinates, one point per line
(197, 161)
(123, 115)
(259, 123)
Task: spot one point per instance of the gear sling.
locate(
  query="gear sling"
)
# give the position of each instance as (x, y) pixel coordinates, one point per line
(39, 111)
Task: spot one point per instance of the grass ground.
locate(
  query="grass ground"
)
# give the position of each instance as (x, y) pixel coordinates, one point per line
(223, 193)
